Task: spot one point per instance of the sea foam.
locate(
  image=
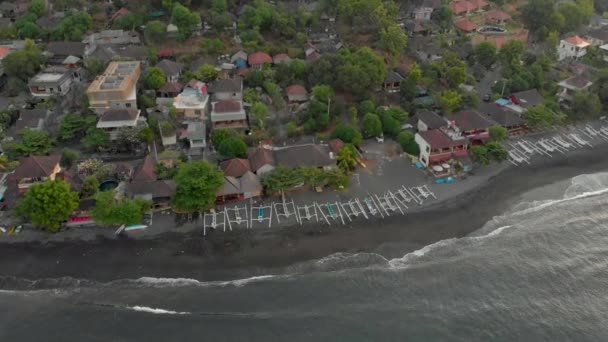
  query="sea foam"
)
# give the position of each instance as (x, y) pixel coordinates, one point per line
(156, 311)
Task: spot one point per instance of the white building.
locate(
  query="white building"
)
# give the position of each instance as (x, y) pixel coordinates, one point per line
(193, 101)
(53, 81)
(114, 119)
(572, 47)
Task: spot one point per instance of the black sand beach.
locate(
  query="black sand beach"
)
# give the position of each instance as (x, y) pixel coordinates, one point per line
(256, 252)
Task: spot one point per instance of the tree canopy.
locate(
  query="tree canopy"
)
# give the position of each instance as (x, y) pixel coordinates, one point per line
(155, 78)
(233, 147)
(111, 211)
(196, 185)
(47, 204)
(372, 126)
(24, 63)
(32, 142)
(346, 133)
(185, 20)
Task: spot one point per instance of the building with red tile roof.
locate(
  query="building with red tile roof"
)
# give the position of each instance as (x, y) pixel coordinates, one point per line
(465, 25)
(573, 47)
(235, 167)
(496, 17)
(257, 59)
(297, 93)
(437, 147)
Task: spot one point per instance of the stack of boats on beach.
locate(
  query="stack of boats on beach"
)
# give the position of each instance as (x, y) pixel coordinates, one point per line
(331, 213)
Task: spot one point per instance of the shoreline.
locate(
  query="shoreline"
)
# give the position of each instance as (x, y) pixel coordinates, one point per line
(248, 253)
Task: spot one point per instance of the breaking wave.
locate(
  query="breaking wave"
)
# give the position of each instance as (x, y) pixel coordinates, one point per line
(156, 311)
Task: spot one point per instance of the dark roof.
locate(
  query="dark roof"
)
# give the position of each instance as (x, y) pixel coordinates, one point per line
(145, 171)
(431, 119)
(577, 82)
(48, 23)
(30, 118)
(228, 85)
(259, 157)
(436, 138)
(5, 22)
(170, 68)
(231, 186)
(66, 48)
(527, 98)
(501, 115)
(393, 77)
(304, 155)
(119, 114)
(157, 189)
(36, 167)
(600, 34)
(7, 6)
(171, 87)
(471, 119)
(226, 106)
(235, 167)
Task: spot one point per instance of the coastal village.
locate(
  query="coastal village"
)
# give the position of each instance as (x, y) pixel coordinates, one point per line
(112, 112)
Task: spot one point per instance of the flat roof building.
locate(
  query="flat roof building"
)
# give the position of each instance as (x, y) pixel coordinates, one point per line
(115, 88)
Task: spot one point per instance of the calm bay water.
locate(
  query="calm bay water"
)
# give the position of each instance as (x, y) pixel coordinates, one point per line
(539, 272)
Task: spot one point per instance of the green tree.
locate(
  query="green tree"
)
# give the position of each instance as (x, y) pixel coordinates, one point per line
(443, 16)
(219, 135)
(74, 126)
(393, 39)
(322, 93)
(155, 78)
(32, 143)
(30, 30)
(146, 135)
(480, 153)
(68, 157)
(90, 187)
(47, 204)
(390, 125)
(348, 134)
(207, 73)
(260, 113)
(585, 105)
(111, 211)
(95, 139)
(496, 151)
(408, 144)
(214, 46)
(485, 54)
(540, 116)
(510, 53)
(196, 185)
(498, 133)
(24, 63)
(185, 20)
(94, 67)
(456, 75)
(281, 179)
(313, 176)
(347, 158)
(450, 100)
(233, 147)
(360, 72)
(155, 31)
(73, 26)
(6, 164)
(372, 126)
(367, 106)
(337, 179)
(129, 22)
(37, 7)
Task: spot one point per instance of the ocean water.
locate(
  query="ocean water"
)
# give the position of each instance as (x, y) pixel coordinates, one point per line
(539, 272)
